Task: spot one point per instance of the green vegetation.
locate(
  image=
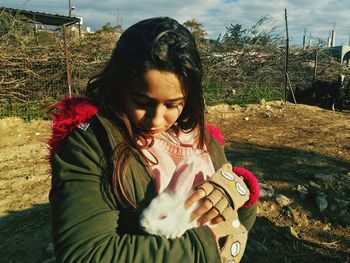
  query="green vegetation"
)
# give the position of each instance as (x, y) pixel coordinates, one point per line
(31, 110)
(213, 93)
(254, 94)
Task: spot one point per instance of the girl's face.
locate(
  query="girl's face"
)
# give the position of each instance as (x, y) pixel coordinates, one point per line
(155, 102)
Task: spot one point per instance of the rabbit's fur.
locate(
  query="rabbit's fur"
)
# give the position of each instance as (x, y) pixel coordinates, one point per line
(166, 215)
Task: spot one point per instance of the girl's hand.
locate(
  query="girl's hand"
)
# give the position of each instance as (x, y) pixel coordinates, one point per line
(225, 189)
(206, 211)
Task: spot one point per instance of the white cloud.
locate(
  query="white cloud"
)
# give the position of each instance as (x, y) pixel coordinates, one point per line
(318, 17)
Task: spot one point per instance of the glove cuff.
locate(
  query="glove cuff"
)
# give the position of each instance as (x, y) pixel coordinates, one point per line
(251, 182)
(233, 185)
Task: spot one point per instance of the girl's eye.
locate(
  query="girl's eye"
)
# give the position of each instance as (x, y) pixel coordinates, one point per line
(143, 104)
(174, 105)
(171, 106)
(150, 103)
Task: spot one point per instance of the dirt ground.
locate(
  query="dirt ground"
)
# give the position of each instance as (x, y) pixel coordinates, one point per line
(300, 154)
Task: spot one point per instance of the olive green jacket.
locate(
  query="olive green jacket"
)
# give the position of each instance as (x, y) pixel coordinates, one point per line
(89, 226)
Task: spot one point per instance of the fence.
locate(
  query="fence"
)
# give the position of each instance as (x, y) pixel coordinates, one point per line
(36, 59)
(30, 79)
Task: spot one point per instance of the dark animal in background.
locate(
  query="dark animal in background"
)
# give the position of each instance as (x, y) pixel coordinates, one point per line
(305, 96)
(330, 93)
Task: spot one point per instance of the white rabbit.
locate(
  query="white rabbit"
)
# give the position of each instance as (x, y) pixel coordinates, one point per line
(166, 215)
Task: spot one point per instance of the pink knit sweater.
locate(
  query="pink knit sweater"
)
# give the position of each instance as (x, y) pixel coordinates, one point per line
(167, 155)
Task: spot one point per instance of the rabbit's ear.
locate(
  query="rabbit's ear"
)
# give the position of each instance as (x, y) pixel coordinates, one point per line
(182, 180)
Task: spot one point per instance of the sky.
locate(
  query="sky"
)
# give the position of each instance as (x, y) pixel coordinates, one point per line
(316, 18)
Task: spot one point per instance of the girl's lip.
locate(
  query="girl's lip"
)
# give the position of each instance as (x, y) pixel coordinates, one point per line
(150, 131)
(154, 131)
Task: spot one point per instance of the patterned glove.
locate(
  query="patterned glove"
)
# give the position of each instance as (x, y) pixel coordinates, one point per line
(225, 188)
(228, 192)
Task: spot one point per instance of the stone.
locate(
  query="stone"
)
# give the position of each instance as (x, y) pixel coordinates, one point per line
(321, 202)
(266, 190)
(302, 190)
(314, 185)
(324, 177)
(49, 249)
(283, 200)
(293, 232)
(263, 102)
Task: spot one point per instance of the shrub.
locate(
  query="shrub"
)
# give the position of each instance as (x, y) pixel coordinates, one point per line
(215, 92)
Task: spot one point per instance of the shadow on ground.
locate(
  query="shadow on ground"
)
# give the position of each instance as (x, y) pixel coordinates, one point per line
(25, 235)
(286, 168)
(270, 243)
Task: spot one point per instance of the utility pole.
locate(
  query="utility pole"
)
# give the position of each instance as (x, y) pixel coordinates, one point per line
(67, 55)
(69, 8)
(333, 36)
(287, 55)
(304, 39)
(315, 66)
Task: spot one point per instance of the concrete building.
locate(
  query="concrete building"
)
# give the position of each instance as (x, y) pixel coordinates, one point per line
(342, 53)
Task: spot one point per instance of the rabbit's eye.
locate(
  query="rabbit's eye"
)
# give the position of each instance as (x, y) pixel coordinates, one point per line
(161, 217)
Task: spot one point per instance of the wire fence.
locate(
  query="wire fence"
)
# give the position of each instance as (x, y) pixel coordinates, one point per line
(30, 79)
(36, 60)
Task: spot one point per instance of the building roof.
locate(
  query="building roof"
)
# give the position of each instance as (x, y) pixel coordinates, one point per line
(43, 18)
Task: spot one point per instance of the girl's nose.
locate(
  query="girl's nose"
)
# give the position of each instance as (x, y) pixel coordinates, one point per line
(156, 118)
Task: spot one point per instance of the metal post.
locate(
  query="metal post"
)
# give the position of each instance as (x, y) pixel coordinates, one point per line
(66, 51)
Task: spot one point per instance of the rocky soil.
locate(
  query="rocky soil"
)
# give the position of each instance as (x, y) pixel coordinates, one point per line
(300, 154)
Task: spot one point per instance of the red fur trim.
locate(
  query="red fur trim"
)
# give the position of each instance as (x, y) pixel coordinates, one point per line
(252, 184)
(216, 133)
(68, 114)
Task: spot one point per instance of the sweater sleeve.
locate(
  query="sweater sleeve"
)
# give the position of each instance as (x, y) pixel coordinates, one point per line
(85, 219)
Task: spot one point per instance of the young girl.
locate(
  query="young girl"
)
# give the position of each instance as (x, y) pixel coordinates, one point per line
(115, 149)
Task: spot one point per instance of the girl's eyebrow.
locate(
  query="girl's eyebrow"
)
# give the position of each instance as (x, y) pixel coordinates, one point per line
(142, 95)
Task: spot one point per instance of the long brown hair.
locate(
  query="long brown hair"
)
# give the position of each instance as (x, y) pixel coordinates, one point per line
(157, 43)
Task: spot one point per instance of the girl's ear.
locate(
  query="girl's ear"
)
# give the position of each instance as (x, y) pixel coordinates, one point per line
(182, 180)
